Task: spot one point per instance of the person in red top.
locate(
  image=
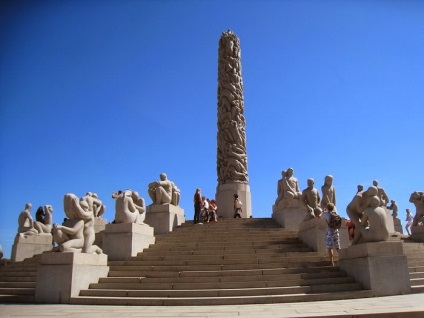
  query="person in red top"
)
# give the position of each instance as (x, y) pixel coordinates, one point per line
(198, 203)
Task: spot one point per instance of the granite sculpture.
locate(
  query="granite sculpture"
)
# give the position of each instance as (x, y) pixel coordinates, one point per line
(94, 204)
(129, 207)
(328, 192)
(163, 191)
(393, 206)
(44, 223)
(26, 222)
(77, 233)
(290, 189)
(382, 196)
(373, 225)
(312, 200)
(417, 198)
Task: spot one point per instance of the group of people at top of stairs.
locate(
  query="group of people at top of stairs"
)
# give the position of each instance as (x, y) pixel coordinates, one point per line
(205, 209)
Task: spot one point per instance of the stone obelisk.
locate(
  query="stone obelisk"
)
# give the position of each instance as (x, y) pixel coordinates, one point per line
(231, 138)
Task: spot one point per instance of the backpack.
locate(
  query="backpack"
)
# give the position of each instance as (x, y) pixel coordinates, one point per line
(335, 221)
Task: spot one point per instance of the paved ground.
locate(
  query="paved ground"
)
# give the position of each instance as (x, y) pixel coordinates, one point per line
(393, 306)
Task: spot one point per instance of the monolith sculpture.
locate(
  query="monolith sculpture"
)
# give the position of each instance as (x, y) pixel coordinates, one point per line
(231, 138)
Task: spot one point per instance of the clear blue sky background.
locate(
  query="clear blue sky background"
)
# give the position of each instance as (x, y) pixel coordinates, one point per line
(106, 95)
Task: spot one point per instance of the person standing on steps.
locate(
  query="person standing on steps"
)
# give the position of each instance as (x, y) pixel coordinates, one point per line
(409, 220)
(238, 207)
(212, 211)
(332, 237)
(197, 205)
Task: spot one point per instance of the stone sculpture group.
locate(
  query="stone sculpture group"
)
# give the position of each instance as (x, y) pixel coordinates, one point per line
(367, 210)
(77, 232)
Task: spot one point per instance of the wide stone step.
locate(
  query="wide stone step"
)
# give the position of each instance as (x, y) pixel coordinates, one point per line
(196, 283)
(416, 269)
(234, 300)
(416, 275)
(115, 276)
(17, 291)
(173, 267)
(205, 242)
(152, 272)
(233, 251)
(214, 258)
(16, 299)
(17, 274)
(18, 279)
(15, 284)
(220, 292)
(417, 281)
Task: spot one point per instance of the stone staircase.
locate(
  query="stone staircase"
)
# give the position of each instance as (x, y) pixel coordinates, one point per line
(242, 261)
(415, 253)
(17, 281)
(232, 261)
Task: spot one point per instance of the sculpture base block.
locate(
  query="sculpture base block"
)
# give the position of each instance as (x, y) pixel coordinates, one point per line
(62, 275)
(289, 218)
(397, 225)
(99, 228)
(312, 232)
(123, 240)
(225, 199)
(164, 218)
(417, 233)
(27, 247)
(379, 266)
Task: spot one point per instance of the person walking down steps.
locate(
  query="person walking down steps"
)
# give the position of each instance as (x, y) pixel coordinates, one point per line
(238, 206)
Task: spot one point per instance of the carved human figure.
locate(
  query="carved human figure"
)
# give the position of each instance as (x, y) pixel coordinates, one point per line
(417, 198)
(45, 225)
(360, 188)
(393, 206)
(373, 227)
(328, 192)
(25, 222)
(94, 204)
(161, 191)
(354, 210)
(79, 209)
(290, 187)
(312, 200)
(280, 188)
(176, 194)
(384, 199)
(129, 207)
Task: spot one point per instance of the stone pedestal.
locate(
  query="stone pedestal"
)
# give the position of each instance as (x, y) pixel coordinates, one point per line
(27, 247)
(379, 266)
(417, 233)
(289, 217)
(63, 275)
(225, 199)
(164, 218)
(99, 228)
(312, 232)
(398, 225)
(123, 240)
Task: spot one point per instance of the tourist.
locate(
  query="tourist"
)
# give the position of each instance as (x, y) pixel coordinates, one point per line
(197, 205)
(212, 211)
(409, 220)
(238, 207)
(205, 209)
(332, 237)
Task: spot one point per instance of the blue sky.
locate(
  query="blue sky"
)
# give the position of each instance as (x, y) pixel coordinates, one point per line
(106, 95)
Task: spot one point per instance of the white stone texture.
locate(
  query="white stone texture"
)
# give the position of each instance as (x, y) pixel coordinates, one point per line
(398, 225)
(99, 228)
(62, 275)
(123, 240)
(417, 233)
(27, 247)
(289, 218)
(379, 266)
(164, 218)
